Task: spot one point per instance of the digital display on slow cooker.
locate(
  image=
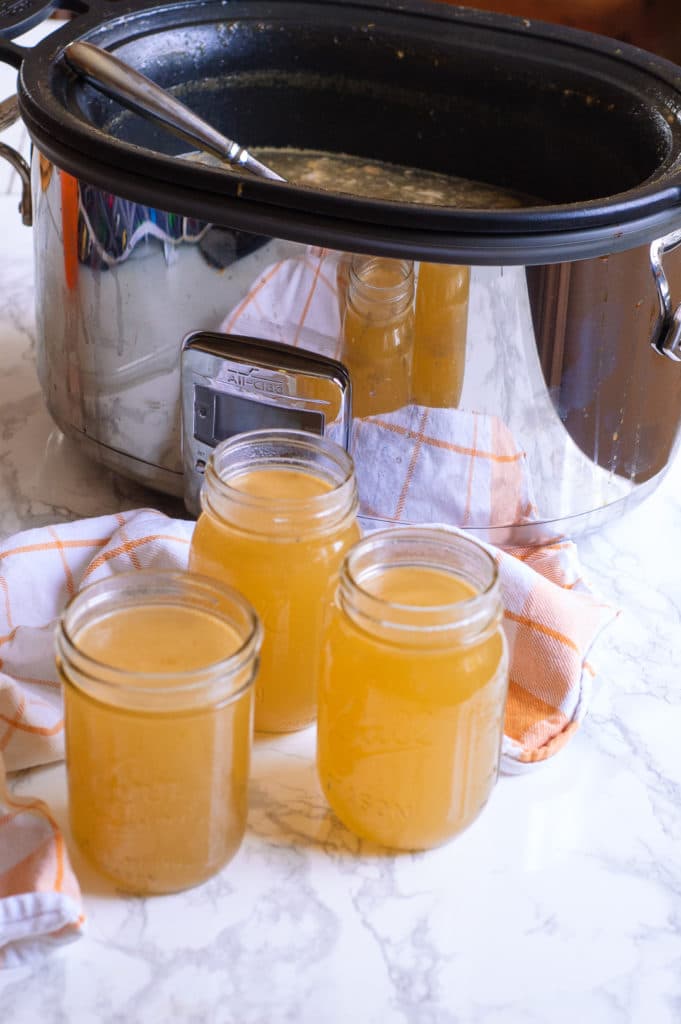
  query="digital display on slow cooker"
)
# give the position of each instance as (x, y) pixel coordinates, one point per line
(218, 415)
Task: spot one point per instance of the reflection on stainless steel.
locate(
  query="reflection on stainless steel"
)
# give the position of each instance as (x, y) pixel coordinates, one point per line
(377, 329)
(581, 414)
(617, 398)
(111, 228)
(440, 326)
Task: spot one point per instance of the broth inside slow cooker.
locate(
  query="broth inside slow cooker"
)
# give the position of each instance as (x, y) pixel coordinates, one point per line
(376, 179)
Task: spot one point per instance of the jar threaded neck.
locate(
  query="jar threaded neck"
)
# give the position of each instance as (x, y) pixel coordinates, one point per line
(165, 688)
(466, 620)
(280, 449)
(384, 287)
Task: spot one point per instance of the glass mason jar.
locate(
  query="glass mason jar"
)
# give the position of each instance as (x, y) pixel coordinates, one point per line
(278, 514)
(158, 670)
(378, 333)
(440, 325)
(412, 696)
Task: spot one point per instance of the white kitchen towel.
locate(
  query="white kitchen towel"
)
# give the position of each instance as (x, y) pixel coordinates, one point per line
(423, 465)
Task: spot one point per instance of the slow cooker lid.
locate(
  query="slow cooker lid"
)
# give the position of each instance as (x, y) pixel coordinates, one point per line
(587, 124)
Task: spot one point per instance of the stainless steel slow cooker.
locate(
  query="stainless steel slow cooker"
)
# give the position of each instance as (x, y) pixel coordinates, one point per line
(157, 276)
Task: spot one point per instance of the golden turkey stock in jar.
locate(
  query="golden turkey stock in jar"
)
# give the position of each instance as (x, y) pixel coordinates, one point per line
(412, 697)
(378, 333)
(440, 325)
(278, 515)
(158, 670)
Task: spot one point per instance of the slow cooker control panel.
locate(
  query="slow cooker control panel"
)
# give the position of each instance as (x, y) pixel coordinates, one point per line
(231, 384)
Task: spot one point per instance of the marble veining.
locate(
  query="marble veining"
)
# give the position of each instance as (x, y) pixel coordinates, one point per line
(561, 903)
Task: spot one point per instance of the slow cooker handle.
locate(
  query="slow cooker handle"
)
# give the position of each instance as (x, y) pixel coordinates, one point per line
(17, 17)
(9, 113)
(667, 335)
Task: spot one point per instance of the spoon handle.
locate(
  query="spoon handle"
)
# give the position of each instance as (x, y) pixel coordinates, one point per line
(137, 92)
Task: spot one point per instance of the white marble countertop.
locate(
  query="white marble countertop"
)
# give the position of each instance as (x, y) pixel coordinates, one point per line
(561, 904)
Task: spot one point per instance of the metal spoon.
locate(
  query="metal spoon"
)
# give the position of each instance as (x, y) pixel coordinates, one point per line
(136, 92)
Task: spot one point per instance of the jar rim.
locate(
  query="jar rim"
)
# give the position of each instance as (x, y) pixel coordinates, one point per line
(399, 290)
(323, 510)
(360, 262)
(144, 585)
(480, 609)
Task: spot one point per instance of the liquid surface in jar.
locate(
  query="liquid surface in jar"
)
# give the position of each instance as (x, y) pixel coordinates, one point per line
(279, 484)
(290, 581)
(157, 799)
(409, 736)
(377, 179)
(417, 585)
(158, 640)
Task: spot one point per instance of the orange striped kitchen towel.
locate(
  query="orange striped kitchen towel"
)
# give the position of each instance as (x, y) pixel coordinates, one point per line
(40, 902)
(40, 905)
(551, 619)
